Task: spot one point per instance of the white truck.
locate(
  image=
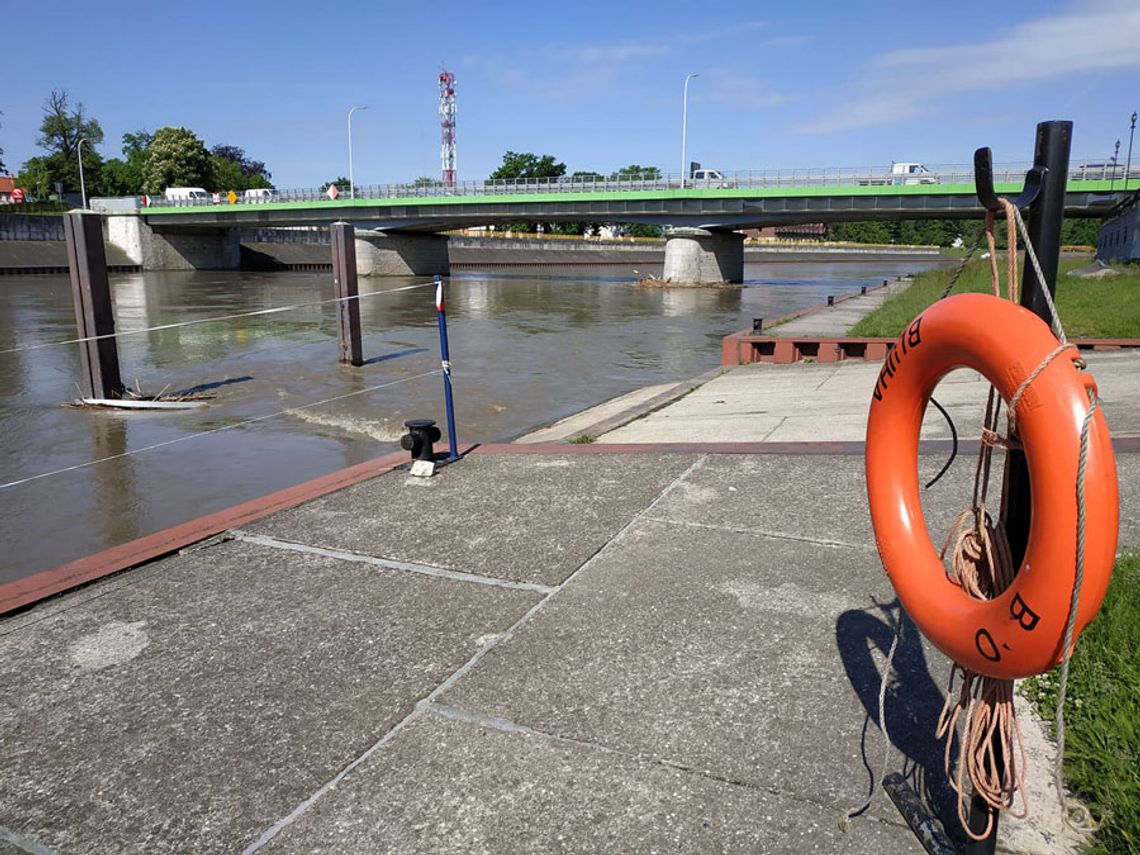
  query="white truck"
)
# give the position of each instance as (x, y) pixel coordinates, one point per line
(186, 194)
(902, 173)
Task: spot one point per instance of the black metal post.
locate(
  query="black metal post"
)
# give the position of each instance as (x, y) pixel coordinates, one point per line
(1045, 215)
(1054, 139)
(91, 293)
(345, 289)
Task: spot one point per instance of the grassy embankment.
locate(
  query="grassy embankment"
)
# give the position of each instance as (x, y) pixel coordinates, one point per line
(1102, 713)
(1089, 308)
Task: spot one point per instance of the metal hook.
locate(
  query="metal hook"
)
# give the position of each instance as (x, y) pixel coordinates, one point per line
(984, 182)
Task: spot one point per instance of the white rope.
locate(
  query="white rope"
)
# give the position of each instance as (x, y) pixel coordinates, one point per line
(1042, 285)
(214, 319)
(215, 430)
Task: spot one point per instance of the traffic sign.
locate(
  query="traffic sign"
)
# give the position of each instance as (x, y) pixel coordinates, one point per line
(146, 201)
(232, 196)
(332, 192)
(17, 194)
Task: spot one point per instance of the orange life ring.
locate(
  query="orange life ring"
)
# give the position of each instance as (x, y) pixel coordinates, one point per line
(1021, 632)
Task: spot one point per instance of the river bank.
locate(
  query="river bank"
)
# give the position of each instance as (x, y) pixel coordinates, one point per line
(26, 256)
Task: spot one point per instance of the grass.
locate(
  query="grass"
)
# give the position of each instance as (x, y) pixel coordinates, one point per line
(1089, 308)
(1102, 713)
(583, 439)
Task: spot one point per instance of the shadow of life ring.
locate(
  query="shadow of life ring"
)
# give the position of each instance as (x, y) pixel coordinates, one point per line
(1021, 631)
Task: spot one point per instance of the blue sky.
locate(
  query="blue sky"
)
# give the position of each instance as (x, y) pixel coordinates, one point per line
(597, 85)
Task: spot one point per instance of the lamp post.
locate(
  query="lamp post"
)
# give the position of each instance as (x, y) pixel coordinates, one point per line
(1115, 160)
(351, 183)
(685, 125)
(82, 184)
(1128, 168)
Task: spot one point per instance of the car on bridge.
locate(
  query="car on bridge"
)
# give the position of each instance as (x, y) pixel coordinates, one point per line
(902, 173)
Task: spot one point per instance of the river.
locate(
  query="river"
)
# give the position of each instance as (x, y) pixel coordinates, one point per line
(526, 350)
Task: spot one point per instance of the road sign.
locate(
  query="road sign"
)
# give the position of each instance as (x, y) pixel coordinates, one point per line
(332, 192)
(232, 196)
(146, 201)
(17, 194)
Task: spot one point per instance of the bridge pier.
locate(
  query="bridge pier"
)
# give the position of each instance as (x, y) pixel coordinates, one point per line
(401, 254)
(184, 248)
(702, 257)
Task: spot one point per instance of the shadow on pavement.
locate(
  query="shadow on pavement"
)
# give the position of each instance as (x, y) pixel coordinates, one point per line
(914, 701)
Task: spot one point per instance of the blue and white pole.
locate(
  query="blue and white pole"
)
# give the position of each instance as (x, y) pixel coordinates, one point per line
(445, 362)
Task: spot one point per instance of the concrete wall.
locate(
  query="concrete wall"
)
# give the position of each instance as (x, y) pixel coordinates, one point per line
(1119, 237)
(204, 248)
(31, 227)
(380, 254)
(699, 257)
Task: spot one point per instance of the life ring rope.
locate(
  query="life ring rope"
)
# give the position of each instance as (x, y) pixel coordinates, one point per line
(985, 699)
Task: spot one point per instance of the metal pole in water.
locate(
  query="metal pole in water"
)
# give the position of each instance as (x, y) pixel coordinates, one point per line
(94, 316)
(345, 289)
(445, 362)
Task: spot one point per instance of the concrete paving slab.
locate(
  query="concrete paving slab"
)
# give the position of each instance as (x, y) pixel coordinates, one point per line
(745, 657)
(445, 786)
(189, 710)
(830, 401)
(528, 519)
(581, 422)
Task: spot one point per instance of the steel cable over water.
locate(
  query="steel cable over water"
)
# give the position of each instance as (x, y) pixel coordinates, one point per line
(254, 313)
(242, 423)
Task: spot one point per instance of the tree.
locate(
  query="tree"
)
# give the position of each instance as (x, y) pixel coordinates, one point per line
(176, 158)
(233, 170)
(125, 177)
(635, 172)
(425, 181)
(63, 128)
(526, 165)
(587, 177)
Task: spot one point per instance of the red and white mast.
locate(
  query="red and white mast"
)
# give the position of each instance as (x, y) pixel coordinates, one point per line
(447, 125)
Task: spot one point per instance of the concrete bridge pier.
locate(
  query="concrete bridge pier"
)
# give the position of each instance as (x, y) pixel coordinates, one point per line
(401, 254)
(702, 257)
(182, 248)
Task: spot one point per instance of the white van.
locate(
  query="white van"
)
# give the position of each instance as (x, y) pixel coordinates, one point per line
(707, 178)
(257, 194)
(194, 195)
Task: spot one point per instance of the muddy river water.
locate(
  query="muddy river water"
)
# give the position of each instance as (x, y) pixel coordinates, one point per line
(526, 349)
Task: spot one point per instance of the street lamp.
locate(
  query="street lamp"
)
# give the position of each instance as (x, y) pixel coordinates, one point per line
(685, 125)
(1115, 160)
(82, 184)
(1128, 168)
(351, 183)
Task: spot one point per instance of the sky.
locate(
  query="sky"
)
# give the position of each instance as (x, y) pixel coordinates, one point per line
(597, 85)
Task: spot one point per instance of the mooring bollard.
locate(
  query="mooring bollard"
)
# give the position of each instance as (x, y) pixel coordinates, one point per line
(445, 362)
(862, 289)
(757, 325)
(830, 300)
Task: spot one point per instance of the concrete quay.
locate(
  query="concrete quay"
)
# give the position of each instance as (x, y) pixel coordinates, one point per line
(668, 640)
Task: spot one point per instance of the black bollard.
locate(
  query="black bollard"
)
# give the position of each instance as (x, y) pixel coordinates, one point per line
(419, 438)
(757, 325)
(830, 300)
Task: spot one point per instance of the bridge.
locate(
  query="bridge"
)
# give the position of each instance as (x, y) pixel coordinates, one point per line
(402, 223)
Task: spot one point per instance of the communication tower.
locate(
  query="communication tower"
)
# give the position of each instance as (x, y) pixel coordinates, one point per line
(447, 125)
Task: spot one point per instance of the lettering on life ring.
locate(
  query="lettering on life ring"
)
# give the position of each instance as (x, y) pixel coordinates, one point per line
(1021, 631)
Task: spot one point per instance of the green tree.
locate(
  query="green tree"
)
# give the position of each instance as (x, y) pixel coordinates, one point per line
(642, 230)
(425, 181)
(176, 158)
(36, 177)
(518, 165)
(63, 127)
(636, 172)
(587, 176)
(234, 170)
(125, 177)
